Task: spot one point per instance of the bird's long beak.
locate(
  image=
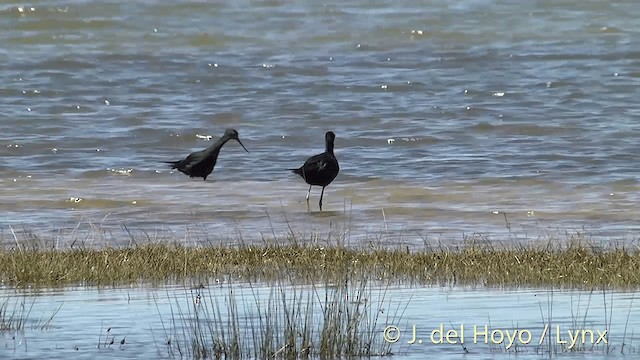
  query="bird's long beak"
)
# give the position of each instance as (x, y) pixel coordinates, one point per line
(245, 149)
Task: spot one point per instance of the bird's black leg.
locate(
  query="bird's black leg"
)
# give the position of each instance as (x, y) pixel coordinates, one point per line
(308, 193)
(321, 194)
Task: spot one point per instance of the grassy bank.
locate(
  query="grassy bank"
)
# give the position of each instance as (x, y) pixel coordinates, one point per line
(577, 265)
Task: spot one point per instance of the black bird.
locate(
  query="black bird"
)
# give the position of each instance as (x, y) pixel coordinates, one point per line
(321, 169)
(201, 163)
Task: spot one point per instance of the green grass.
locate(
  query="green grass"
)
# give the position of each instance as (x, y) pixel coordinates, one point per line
(575, 265)
(15, 312)
(281, 320)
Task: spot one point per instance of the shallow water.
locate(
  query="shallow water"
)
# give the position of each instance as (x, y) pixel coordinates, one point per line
(445, 112)
(88, 319)
(475, 119)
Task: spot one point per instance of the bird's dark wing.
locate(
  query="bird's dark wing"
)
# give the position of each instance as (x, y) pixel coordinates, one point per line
(187, 163)
(316, 163)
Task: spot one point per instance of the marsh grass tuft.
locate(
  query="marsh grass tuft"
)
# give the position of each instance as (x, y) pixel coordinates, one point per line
(15, 312)
(574, 265)
(278, 320)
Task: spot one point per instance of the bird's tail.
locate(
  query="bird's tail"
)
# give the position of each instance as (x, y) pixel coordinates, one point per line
(172, 164)
(296, 171)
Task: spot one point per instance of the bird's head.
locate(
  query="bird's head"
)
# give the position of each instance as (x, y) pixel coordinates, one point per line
(233, 134)
(329, 136)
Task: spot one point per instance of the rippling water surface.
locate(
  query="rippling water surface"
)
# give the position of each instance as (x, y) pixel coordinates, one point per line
(161, 322)
(448, 115)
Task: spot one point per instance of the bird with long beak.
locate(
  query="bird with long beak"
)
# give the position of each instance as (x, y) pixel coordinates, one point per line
(201, 163)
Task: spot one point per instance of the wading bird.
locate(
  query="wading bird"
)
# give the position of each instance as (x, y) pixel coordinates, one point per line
(201, 163)
(321, 169)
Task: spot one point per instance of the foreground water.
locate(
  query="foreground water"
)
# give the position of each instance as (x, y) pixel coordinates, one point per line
(157, 322)
(448, 114)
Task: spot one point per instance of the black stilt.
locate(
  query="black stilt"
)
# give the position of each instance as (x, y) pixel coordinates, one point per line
(321, 169)
(201, 163)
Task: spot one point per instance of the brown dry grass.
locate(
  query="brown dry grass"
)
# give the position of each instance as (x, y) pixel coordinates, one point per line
(577, 265)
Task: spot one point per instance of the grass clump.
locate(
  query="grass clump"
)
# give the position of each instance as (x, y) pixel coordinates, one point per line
(280, 320)
(14, 315)
(573, 265)
(15, 312)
